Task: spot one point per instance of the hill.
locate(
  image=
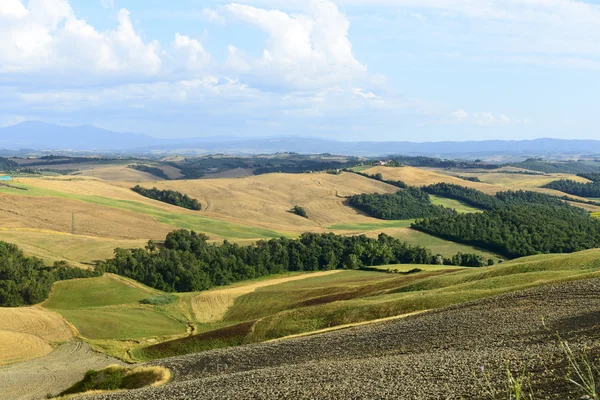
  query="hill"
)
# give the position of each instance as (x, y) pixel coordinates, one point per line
(42, 136)
(438, 354)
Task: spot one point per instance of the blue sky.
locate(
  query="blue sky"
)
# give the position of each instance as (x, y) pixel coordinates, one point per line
(419, 70)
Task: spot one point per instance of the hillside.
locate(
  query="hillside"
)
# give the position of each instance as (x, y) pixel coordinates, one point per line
(438, 354)
(491, 183)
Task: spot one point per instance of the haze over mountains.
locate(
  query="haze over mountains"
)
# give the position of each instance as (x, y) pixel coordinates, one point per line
(42, 136)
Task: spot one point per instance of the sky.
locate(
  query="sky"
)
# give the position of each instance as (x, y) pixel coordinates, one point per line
(416, 70)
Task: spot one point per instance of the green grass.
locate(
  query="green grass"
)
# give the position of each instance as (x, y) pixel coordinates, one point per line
(123, 323)
(106, 290)
(596, 214)
(361, 168)
(410, 267)
(371, 226)
(459, 206)
(108, 308)
(199, 223)
(354, 296)
(446, 248)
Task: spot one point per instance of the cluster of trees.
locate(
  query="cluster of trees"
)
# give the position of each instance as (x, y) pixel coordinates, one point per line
(187, 262)
(519, 229)
(484, 201)
(590, 189)
(594, 177)
(470, 178)
(564, 167)
(408, 203)
(379, 177)
(169, 196)
(299, 210)
(8, 165)
(467, 195)
(150, 170)
(26, 281)
(420, 161)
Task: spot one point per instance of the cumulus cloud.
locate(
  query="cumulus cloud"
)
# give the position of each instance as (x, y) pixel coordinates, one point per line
(310, 49)
(46, 36)
(190, 53)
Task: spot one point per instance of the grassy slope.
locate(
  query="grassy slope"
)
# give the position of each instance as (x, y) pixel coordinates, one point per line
(351, 297)
(107, 308)
(437, 245)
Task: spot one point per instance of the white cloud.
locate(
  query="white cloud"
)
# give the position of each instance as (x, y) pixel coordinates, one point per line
(47, 37)
(303, 50)
(486, 119)
(212, 16)
(107, 3)
(460, 114)
(190, 53)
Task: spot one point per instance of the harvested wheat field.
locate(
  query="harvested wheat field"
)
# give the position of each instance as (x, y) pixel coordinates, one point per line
(211, 306)
(118, 173)
(265, 200)
(16, 347)
(55, 214)
(53, 246)
(28, 332)
(51, 374)
(433, 355)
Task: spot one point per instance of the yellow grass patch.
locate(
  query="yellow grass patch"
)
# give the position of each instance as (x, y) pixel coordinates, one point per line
(53, 246)
(51, 213)
(16, 347)
(35, 321)
(265, 200)
(27, 332)
(117, 173)
(211, 306)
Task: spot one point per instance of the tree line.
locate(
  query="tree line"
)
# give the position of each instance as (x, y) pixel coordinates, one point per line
(27, 280)
(187, 262)
(408, 203)
(170, 197)
(590, 189)
(518, 230)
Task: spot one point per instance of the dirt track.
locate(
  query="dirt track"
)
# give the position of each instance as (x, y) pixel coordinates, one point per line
(435, 355)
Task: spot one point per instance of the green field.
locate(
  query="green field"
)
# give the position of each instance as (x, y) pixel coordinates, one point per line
(209, 226)
(371, 226)
(108, 308)
(440, 246)
(459, 206)
(354, 297)
(107, 290)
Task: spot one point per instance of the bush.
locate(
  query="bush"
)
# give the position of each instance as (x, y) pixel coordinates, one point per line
(169, 197)
(159, 300)
(300, 211)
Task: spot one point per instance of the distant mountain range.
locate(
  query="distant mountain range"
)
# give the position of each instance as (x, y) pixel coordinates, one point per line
(41, 136)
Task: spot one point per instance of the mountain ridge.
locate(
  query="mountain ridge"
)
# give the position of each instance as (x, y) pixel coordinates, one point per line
(43, 136)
